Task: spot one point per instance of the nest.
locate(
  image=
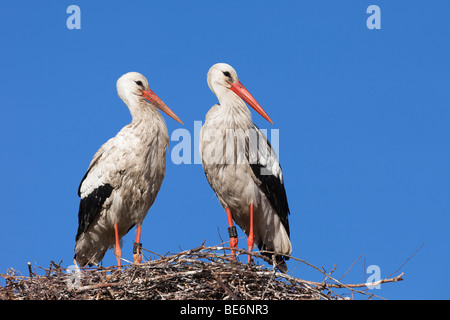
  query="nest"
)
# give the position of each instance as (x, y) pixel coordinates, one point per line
(203, 273)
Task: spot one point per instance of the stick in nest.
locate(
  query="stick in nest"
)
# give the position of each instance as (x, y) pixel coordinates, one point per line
(199, 273)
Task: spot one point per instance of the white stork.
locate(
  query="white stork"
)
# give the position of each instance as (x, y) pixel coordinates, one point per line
(249, 183)
(124, 176)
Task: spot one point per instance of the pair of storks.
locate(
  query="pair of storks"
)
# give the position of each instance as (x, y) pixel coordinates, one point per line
(126, 173)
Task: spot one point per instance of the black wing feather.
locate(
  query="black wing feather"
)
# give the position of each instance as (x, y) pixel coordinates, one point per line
(275, 192)
(90, 206)
(271, 185)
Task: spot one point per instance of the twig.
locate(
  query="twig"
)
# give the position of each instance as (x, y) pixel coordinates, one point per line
(29, 269)
(224, 287)
(98, 286)
(403, 264)
(350, 268)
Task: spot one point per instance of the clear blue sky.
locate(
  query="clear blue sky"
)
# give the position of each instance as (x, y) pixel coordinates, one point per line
(363, 117)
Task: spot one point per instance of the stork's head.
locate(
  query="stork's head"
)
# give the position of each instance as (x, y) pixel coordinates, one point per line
(221, 74)
(222, 79)
(134, 90)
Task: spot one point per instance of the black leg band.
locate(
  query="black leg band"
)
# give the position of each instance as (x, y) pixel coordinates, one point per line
(232, 232)
(137, 247)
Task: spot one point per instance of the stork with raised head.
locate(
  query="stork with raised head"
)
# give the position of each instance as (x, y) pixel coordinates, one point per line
(124, 176)
(248, 182)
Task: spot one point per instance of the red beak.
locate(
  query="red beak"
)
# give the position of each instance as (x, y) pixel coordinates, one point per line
(157, 102)
(243, 93)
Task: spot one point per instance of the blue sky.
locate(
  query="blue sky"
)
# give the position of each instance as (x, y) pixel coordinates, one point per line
(363, 117)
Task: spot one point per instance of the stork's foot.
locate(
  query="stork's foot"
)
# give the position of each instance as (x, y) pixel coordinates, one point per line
(233, 241)
(250, 242)
(118, 250)
(250, 249)
(137, 247)
(251, 236)
(118, 253)
(137, 251)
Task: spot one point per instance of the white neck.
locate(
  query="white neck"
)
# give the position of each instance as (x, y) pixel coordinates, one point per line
(140, 109)
(233, 108)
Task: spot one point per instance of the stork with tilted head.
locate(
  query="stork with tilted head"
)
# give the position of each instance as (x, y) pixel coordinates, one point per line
(124, 176)
(242, 168)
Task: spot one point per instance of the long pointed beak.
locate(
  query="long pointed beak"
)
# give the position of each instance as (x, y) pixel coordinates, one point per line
(157, 102)
(242, 92)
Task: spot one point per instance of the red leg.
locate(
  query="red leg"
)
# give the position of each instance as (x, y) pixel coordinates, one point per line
(250, 239)
(137, 246)
(118, 250)
(233, 234)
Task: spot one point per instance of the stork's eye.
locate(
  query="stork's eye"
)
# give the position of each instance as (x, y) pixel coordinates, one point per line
(139, 83)
(226, 74)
